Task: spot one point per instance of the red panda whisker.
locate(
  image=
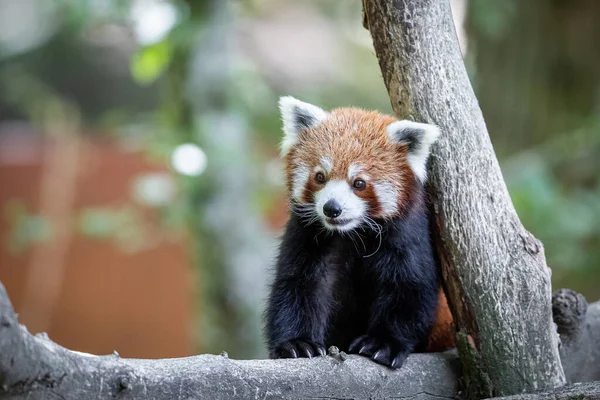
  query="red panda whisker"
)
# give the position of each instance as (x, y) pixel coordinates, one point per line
(350, 236)
(368, 224)
(372, 224)
(322, 229)
(352, 239)
(306, 214)
(302, 209)
(378, 246)
(311, 219)
(361, 240)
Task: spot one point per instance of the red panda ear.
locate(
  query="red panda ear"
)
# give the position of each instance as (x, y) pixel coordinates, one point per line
(297, 116)
(419, 138)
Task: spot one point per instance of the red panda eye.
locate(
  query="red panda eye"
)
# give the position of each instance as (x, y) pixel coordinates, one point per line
(320, 177)
(359, 184)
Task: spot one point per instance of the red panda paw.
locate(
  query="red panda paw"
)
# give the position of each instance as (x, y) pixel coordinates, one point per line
(298, 348)
(382, 351)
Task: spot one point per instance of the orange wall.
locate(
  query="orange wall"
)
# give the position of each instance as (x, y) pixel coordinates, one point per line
(93, 295)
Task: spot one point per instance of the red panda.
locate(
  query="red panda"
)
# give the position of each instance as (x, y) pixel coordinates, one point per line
(356, 266)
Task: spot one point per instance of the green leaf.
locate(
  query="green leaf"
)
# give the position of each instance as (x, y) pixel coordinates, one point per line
(97, 222)
(149, 62)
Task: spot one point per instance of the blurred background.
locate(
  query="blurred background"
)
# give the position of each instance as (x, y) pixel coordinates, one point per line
(140, 190)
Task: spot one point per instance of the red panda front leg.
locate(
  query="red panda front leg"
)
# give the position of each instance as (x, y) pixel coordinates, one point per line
(395, 328)
(405, 296)
(301, 300)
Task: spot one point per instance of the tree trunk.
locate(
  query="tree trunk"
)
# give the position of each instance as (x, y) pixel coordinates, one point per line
(495, 273)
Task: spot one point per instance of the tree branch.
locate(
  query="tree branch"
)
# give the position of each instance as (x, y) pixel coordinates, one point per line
(36, 367)
(495, 274)
(580, 391)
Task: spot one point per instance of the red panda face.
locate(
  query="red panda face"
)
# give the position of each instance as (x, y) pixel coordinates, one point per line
(349, 167)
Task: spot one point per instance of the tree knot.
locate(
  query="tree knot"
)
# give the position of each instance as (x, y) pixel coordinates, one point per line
(569, 310)
(5, 322)
(124, 383)
(531, 244)
(334, 352)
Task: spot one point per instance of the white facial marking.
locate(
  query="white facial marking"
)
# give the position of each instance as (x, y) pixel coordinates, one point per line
(299, 179)
(353, 207)
(419, 137)
(387, 195)
(297, 116)
(353, 170)
(327, 164)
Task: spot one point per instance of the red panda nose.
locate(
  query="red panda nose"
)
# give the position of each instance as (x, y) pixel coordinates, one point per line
(332, 209)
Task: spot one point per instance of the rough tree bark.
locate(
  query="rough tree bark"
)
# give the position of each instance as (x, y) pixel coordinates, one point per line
(495, 272)
(34, 367)
(577, 325)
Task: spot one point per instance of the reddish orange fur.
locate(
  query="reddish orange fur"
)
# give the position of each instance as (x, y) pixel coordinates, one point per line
(352, 135)
(441, 337)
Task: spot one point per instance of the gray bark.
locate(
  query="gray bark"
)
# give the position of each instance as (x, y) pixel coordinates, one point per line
(34, 367)
(581, 391)
(579, 327)
(495, 274)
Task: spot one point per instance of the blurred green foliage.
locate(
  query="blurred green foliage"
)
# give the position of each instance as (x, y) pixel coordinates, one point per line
(123, 226)
(24, 228)
(534, 67)
(149, 62)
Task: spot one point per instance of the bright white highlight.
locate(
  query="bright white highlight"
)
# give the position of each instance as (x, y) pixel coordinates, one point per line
(290, 109)
(156, 189)
(387, 196)
(420, 137)
(152, 20)
(353, 207)
(188, 159)
(301, 174)
(25, 24)
(80, 353)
